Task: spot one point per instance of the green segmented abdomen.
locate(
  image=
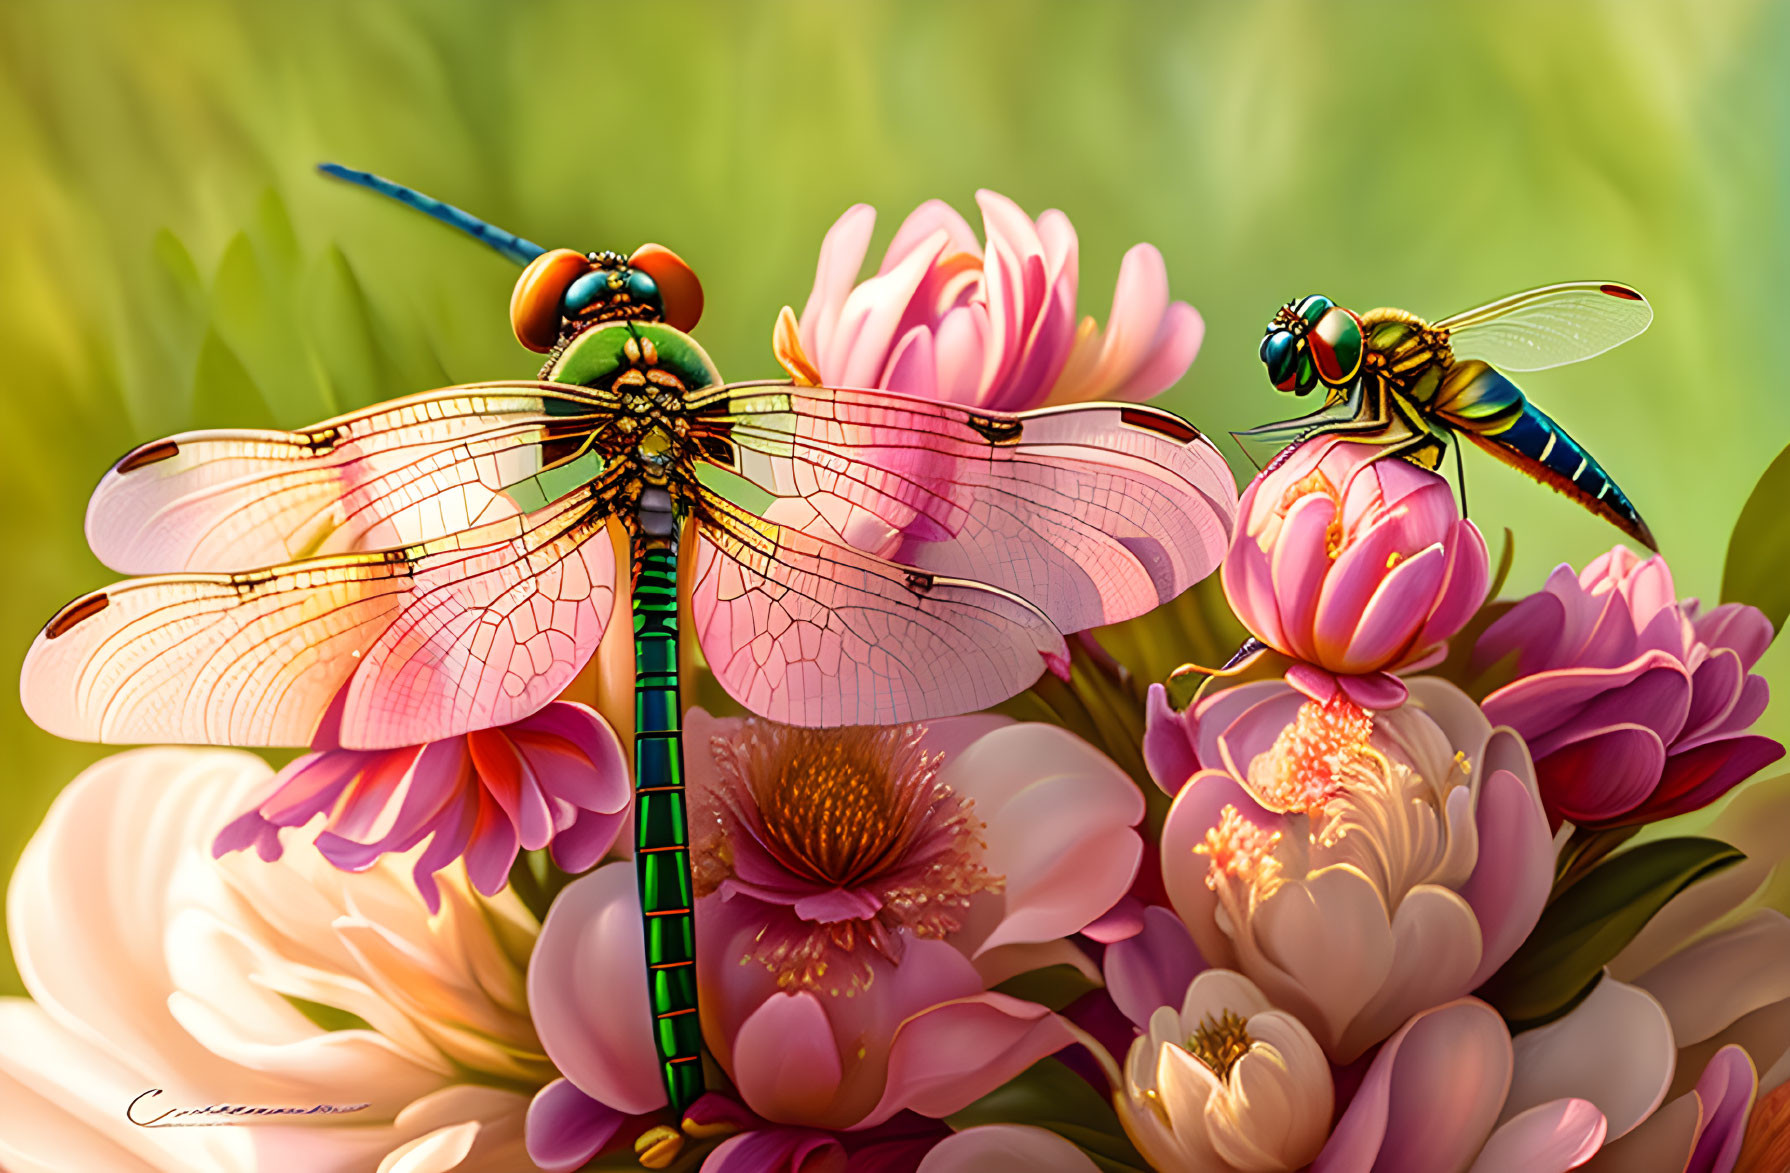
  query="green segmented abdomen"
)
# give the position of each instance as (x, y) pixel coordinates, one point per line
(661, 829)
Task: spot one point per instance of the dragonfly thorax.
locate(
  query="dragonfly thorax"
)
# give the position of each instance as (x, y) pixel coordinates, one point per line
(1406, 353)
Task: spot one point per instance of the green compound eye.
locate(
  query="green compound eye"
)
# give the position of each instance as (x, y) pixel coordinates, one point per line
(1280, 354)
(1313, 308)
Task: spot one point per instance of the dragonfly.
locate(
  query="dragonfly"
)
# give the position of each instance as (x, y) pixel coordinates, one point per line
(1394, 379)
(448, 561)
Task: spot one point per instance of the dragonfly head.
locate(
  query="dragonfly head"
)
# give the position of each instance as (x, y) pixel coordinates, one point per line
(1312, 340)
(563, 289)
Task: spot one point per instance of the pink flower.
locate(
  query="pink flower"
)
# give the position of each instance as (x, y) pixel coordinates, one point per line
(1635, 705)
(942, 320)
(1358, 867)
(1354, 564)
(557, 778)
(853, 923)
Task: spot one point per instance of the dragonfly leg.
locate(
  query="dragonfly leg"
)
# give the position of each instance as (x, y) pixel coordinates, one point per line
(1460, 476)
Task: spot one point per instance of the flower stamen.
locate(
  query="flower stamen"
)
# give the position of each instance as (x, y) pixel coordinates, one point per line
(1219, 1043)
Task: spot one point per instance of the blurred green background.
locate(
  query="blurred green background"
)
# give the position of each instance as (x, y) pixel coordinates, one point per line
(169, 260)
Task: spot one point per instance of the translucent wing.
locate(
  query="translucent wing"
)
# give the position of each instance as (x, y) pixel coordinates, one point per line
(1550, 326)
(1093, 514)
(374, 649)
(398, 474)
(807, 632)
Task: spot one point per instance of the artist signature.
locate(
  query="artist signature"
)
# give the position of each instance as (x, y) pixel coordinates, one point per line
(208, 1116)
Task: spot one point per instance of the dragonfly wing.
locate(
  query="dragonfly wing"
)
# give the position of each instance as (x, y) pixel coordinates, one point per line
(402, 473)
(807, 632)
(1094, 514)
(371, 650)
(1550, 326)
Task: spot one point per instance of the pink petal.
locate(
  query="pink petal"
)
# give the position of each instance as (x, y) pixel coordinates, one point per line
(841, 256)
(1694, 780)
(867, 326)
(1140, 299)
(1548, 1138)
(1313, 682)
(1153, 968)
(1511, 880)
(912, 370)
(1725, 1090)
(1168, 748)
(1352, 581)
(921, 224)
(591, 941)
(1430, 1096)
(786, 1060)
(946, 1058)
(960, 347)
(1376, 692)
(1464, 587)
(1298, 564)
(1176, 345)
(566, 1128)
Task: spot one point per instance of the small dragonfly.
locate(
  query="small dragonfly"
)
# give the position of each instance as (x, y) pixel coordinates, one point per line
(1394, 379)
(448, 561)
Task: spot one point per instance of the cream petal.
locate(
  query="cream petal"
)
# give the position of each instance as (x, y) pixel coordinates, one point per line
(1006, 1146)
(1548, 1138)
(995, 966)
(1435, 951)
(60, 1098)
(1614, 1049)
(1216, 991)
(1324, 941)
(1662, 1143)
(1709, 985)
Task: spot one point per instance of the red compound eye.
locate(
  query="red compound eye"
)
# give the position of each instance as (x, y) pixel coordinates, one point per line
(534, 303)
(680, 293)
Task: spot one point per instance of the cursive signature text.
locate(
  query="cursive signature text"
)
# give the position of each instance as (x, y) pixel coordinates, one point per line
(232, 1113)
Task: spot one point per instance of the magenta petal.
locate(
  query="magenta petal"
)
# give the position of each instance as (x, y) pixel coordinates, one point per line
(311, 784)
(1725, 1090)
(1464, 587)
(912, 369)
(491, 851)
(566, 1128)
(1609, 772)
(1697, 778)
(248, 830)
(587, 840)
(777, 1150)
(1153, 968)
(1737, 626)
(786, 1060)
(1168, 750)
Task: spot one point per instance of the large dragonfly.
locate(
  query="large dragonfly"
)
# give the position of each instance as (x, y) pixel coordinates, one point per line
(448, 561)
(1394, 379)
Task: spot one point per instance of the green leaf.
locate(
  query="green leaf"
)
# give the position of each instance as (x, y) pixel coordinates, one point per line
(1759, 548)
(1048, 1095)
(1591, 920)
(326, 1016)
(1055, 986)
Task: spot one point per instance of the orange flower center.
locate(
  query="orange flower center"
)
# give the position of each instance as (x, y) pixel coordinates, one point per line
(1309, 761)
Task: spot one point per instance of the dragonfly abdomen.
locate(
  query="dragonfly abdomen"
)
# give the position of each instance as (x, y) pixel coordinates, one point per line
(1490, 410)
(661, 824)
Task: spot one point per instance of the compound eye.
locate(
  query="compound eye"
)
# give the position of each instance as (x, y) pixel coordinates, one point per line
(1280, 354)
(1335, 344)
(540, 292)
(1313, 307)
(680, 293)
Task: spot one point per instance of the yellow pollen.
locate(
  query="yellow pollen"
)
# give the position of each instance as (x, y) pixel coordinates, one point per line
(1393, 559)
(658, 1146)
(1220, 1043)
(1307, 763)
(1237, 848)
